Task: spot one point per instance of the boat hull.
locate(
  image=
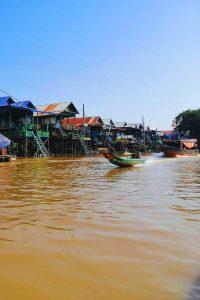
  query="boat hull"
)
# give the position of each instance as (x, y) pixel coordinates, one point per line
(5, 158)
(174, 152)
(123, 161)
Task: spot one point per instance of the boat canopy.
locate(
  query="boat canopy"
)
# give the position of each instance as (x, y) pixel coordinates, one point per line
(189, 143)
(4, 141)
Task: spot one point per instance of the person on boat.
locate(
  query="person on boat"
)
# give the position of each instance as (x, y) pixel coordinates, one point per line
(4, 151)
(136, 155)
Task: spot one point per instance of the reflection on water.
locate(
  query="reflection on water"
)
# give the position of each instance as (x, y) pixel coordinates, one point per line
(81, 229)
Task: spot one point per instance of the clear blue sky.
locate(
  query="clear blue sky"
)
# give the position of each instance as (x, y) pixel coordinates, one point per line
(121, 58)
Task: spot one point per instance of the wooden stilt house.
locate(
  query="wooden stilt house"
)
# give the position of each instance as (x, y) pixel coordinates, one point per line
(16, 123)
(62, 141)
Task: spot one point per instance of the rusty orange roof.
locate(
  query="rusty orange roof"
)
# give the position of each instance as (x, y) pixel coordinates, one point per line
(90, 121)
(58, 108)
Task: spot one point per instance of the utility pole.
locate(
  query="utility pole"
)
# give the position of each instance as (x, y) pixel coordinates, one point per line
(144, 137)
(83, 113)
(83, 118)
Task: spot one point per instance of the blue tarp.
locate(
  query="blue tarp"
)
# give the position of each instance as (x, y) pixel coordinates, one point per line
(24, 104)
(171, 136)
(21, 105)
(4, 141)
(6, 101)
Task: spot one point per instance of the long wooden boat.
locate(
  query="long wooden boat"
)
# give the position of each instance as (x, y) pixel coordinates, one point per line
(5, 158)
(123, 161)
(184, 147)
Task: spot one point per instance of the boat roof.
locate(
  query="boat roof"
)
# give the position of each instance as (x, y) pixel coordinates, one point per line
(188, 140)
(4, 141)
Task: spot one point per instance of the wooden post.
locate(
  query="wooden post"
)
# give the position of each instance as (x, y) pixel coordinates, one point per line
(37, 122)
(26, 150)
(10, 123)
(83, 118)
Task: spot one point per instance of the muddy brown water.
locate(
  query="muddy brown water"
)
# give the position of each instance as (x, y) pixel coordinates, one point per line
(83, 229)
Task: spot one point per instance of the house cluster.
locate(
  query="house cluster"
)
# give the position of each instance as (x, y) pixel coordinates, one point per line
(57, 129)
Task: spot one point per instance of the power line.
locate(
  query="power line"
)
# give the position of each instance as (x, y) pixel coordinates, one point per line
(4, 92)
(9, 95)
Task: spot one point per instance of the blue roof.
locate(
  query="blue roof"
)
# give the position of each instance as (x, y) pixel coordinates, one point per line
(24, 105)
(6, 101)
(4, 141)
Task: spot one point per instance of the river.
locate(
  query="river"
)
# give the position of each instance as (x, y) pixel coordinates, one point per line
(73, 229)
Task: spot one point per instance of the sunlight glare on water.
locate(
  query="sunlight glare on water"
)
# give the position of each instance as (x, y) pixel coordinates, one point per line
(83, 229)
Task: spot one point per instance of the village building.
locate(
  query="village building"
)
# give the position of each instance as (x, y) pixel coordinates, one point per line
(119, 125)
(66, 137)
(55, 112)
(15, 117)
(127, 130)
(108, 123)
(38, 131)
(17, 124)
(90, 127)
(54, 129)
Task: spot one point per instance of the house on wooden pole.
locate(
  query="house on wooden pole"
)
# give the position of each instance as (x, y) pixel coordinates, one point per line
(16, 123)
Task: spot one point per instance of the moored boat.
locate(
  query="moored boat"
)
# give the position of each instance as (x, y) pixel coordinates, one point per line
(5, 158)
(182, 147)
(123, 161)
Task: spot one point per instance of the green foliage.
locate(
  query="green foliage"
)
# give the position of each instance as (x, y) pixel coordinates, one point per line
(189, 120)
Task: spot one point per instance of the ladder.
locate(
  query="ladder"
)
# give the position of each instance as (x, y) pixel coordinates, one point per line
(63, 133)
(83, 144)
(40, 145)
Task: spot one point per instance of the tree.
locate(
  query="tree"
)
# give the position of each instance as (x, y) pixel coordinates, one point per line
(189, 120)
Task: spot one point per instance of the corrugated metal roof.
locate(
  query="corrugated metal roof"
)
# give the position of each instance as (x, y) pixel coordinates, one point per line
(58, 108)
(108, 122)
(119, 124)
(91, 121)
(132, 125)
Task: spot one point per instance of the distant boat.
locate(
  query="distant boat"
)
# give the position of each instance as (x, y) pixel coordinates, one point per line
(123, 161)
(182, 147)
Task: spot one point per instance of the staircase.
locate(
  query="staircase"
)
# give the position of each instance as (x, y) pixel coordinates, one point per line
(80, 138)
(40, 145)
(62, 132)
